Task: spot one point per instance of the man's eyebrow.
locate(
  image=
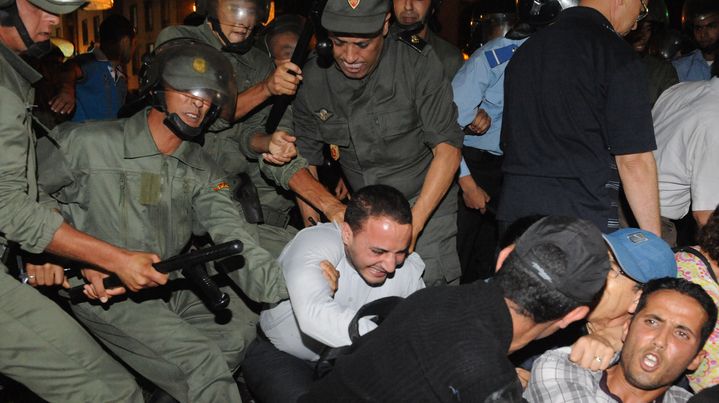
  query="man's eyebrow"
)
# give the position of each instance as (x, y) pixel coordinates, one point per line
(686, 329)
(654, 317)
(679, 326)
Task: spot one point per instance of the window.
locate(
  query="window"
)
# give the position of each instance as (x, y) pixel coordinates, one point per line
(164, 14)
(133, 16)
(85, 40)
(148, 16)
(96, 28)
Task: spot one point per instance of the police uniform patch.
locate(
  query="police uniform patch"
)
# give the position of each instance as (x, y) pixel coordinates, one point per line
(353, 3)
(199, 65)
(335, 152)
(324, 114)
(221, 186)
(496, 57)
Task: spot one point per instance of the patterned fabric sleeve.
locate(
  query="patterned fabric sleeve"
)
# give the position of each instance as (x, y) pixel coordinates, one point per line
(691, 268)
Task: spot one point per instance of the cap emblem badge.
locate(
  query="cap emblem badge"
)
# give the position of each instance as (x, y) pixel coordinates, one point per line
(199, 65)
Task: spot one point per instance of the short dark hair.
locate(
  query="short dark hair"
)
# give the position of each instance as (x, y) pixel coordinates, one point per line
(709, 234)
(377, 201)
(689, 289)
(535, 298)
(114, 28)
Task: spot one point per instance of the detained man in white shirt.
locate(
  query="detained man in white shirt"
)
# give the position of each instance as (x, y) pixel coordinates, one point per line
(370, 251)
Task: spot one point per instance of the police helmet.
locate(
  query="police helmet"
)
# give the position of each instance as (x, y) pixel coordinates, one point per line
(10, 17)
(51, 6)
(694, 9)
(245, 13)
(658, 12)
(542, 12)
(490, 19)
(666, 44)
(196, 69)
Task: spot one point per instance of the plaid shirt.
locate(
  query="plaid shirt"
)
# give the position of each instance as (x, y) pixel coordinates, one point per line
(555, 379)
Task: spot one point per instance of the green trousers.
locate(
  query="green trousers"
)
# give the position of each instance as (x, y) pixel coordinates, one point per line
(177, 342)
(437, 245)
(273, 239)
(45, 349)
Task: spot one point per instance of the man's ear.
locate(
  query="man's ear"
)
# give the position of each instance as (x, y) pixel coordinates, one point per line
(502, 256)
(574, 315)
(635, 302)
(346, 234)
(697, 360)
(625, 332)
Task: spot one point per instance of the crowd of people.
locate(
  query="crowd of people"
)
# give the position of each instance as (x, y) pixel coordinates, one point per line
(412, 224)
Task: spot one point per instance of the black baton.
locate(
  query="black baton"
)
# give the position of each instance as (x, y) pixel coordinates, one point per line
(192, 268)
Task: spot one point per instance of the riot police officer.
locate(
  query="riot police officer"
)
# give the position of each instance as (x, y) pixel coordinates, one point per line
(145, 183)
(243, 147)
(41, 346)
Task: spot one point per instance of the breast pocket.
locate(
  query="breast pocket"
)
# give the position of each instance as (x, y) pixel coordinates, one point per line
(400, 135)
(337, 134)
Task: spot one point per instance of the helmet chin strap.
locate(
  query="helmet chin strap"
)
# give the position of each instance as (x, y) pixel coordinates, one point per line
(34, 49)
(414, 28)
(181, 129)
(240, 47)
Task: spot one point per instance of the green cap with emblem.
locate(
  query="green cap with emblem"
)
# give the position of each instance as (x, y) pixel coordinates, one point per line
(361, 17)
(58, 7)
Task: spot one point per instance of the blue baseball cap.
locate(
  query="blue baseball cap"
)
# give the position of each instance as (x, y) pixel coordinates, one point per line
(642, 255)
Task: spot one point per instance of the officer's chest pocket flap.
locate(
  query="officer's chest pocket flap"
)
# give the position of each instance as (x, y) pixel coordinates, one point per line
(335, 133)
(398, 122)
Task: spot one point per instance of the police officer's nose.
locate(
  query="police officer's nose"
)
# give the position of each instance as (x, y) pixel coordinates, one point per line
(350, 54)
(51, 18)
(197, 102)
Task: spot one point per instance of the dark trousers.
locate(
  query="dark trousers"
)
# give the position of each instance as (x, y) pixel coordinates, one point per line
(477, 232)
(274, 376)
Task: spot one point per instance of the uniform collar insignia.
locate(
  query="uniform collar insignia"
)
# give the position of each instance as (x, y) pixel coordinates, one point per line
(324, 114)
(353, 3)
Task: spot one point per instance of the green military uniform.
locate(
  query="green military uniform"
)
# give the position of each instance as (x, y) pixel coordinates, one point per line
(112, 182)
(230, 148)
(41, 346)
(382, 129)
(662, 75)
(448, 54)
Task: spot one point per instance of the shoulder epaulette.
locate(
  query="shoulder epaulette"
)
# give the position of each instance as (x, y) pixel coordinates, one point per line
(498, 56)
(413, 40)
